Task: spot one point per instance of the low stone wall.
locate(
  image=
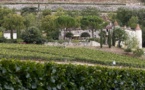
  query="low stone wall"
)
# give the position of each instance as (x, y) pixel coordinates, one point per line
(79, 44)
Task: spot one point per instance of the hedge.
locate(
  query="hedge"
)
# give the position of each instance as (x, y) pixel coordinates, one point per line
(26, 75)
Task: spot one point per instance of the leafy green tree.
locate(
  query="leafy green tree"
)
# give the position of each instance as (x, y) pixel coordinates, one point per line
(91, 22)
(48, 24)
(60, 12)
(131, 42)
(46, 12)
(30, 20)
(4, 12)
(119, 35)
(123, 15)
(33, 35)
(102, 34)
(133, 21)
(65, 22)
(73, 13)
(90, 11)
(13, 22)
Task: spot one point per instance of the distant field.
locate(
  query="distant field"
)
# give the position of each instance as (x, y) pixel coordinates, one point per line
(49, 53)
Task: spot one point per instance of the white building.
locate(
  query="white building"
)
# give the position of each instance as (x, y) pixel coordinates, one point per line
(7, 34)
(137, 33)
(78, 32)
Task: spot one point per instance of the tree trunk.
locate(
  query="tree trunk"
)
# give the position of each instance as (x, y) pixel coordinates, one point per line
(113, 39)
(119, 43)
(64, 33)
(11, 34)
(109, 39)
(92, 33)
(101, 40)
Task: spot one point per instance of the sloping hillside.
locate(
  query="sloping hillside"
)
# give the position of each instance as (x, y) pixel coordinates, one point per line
(49, 53)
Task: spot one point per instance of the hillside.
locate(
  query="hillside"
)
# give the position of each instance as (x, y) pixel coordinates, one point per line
(47, 53)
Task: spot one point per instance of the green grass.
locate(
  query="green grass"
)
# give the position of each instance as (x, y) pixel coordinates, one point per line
(50, 53)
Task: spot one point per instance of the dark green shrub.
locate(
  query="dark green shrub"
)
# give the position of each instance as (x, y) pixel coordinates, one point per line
(33, 35)
(3, 39)
(128, 50)
(94, 39)
(26, 75)
(69, 35)
(85, 34)
(138, 52)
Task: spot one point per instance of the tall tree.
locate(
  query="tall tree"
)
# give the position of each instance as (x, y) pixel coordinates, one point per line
(48, 24)
(123, 15)
(91, 22)
(133, 21)
(60, 12)
(46, 12)
(65, 22)
(13, 22)
(4, 12)
(109, 39)
(30, 20)
(73, 13)
(119, 35)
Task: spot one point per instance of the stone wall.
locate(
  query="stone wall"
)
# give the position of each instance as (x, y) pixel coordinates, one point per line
(74, 6)
(70, 1)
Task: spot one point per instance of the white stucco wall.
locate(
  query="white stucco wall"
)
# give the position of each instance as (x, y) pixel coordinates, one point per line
(139, 37)
(137, 34)
(8, 36)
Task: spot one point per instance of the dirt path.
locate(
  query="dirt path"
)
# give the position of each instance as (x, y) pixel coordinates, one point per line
(112, 49)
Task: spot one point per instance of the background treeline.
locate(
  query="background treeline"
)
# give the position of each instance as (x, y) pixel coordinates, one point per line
(35, 26)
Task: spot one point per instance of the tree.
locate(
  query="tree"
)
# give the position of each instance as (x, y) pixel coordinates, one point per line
(46, 12)
(4, 12)
(91, 22)
(133, 21)
(30, 20)
(102, 37)
(119, 35)
(90, 11)
(131, 42)
(48, 24)
(102, 33)
(73, 13)
(65, 22)
(33, 35)
(123, 15)
(109, 39)
(60, 12)
(13, 22)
